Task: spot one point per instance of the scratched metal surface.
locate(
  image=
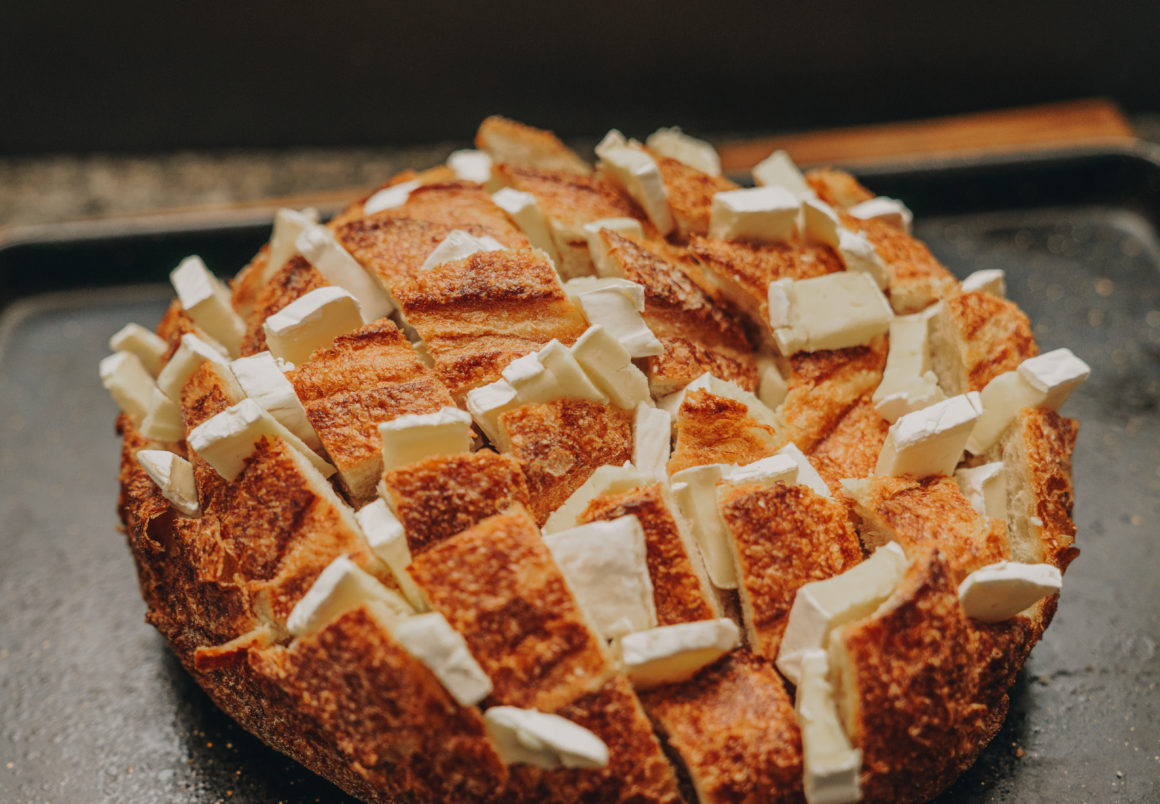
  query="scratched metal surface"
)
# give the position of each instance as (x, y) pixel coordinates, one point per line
(94, 708)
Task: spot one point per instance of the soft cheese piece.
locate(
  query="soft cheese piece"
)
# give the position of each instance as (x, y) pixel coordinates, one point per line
(606, 480)
(387, 540)
(523, 209)
(318, 245)
(763, 214)
(990, 280)
(339, 588)
(985, 487)
(695, 490)
(129, 383)
(820, 222)
(858, 254)
(609, 366)
(615, 311)
(207, 301)
(586, 284)
(890, 211)
(930, 441)
(834, 311)
(571, 381)
(264, 382)
(148, 346)
(486, 403)
(755, 407)
(311, 322)
(764, 472)
(288, 225)
(778, 170)
(227, 439)
(459, 245)
(807, 475)
(908, 384)
(676, 144)
(164, 420)
(821, 606)
(390, 197)
(604, 563)
(431, 639)
(1044, 381)
(674, 653)
(173, 476)
(630, 166)
(190, 354)
(415, 436)
(598, 249)
(832, 767)
(771, 386)
(470, 165)
(531, 737)
(999, 591)
(652, 435)
(532, 380)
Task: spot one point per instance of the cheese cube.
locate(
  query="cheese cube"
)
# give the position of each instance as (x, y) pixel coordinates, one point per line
(164, 420)
(226, 440)
(525, 212)
(148, 346)
(190, 354)
(630, 166)
(486, 403)
(415, 436)
(832, 767)
(674, 653)
(652, 435)
(128, 382)
(695, 490)
(985, 487)
(676, 144)
(890, 211)
(614, 310)
(318, 245)
(820, 607)
(587, 284)
(908, 384)
(807, 475)
(606, 480)
(459, 245)
(311, 322)
(174, 478)
(930, 441)
(763, 214)
(604, 563)
(533, 382)
(991, 280)
(756, 409)
(470, 165)
(609, 366)
(771, 386)
(571, 381)
(764, 472)
(390, 197)
(834, 311)
(1055, 375)
(531, 737)
(778, 170)
(288, 225)
(431, 639)
(207, 301)
(629, 227)
(388, 541)
(262, 380)
(339, 588)
(858, 254)
(999, 591)
(821, 224)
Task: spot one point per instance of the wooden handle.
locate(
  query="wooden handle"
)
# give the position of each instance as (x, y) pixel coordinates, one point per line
(1083, 122)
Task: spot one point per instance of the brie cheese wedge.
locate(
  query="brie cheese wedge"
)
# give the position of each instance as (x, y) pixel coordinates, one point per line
(908, 384)
(762, 214)
(431, 639)
(190, 354)
(821, 224)
(288, 225)
(695, 490)
(459, 245)
(834, 311)
(609, 366)
(571, 381)
(319, 245)
(390, 197)
(890, 211)
(470, 165)
(629, 227)
(858, 254)
(807, 475)
(652, 435)
(165, 420)
(174, 478)
(148, 346)
(991, 280)
(778, 170)
(531, 379)
(129, 383)
(263, 381)
(764, 472)
(415, 436)
(985, 487)
(614, 310)
(226, 440)
(488, 402)
(771, 386)
(525, 212)
(531, 737)
(832, 767)
(388, 541)
(207, 301)
(630, 166)
(606, 480)
(930, 441)
(311, 322)
(999, 591)
(339, 588)
(674, 653)
(676, 144)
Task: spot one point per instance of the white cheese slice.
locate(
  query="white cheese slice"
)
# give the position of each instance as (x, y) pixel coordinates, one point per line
(263, 381)
(990, 280)
(763, 472)
(807, 475)
(207, 301)
(778, 170)
(459, 245)
(586, 284)
(629, 227)
(288, 225)
(834, 311)
(858, 254)
(630, 166)
(604, 563)
(311, 322)
(652, 435)
(388, 541)
(820, 222)
(695, 490)
(190, 354)
(674, 653)
(390, 197)
(999, 591)
(339, 588)
(415, 436)
(610, 367)
(822, 606)
(890, 211)
(763, 214)
(985, 488)
(571, 381)
(488, 402)
(431, 639)
(676, 144)
(606, 480)
(907, 397)
(1044, 381)
(525, 212)
(531, 737)
(930, 441)
(319, 245)
(470, 165)
(129, 383)
(164, 420)
(174, 478)
(614, 310)
(226, 440)
(908, 384)
(831, 766)
(148, 346)
(533, 382)
(771, 386)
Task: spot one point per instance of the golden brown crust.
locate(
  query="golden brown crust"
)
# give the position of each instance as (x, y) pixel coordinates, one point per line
(208, 391)
(248, 284)
(917, 279)
(680, 592)
(568, 198)
(457, 204)
(975, 337)
(837, 187)
(497, 585)
(852, 446)
(559, 445)
(440, 496)
(292, 281)
(782, 537)
(734, 728)
(511, 142)
(690, 193)
(715, 429)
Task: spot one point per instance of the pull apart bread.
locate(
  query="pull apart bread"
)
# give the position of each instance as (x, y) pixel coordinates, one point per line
(524, 480)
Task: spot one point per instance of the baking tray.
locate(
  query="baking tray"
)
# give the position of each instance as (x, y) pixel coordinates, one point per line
(93, 707)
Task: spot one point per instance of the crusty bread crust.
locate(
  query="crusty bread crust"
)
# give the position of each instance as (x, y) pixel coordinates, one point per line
(716, 429)
(916, 279)
(852, 447)
(508, 141)
(290, 282)
(837, 187)
(690, 193)
(975, 337)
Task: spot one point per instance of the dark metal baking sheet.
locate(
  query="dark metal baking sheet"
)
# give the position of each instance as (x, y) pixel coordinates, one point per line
(94, 708)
